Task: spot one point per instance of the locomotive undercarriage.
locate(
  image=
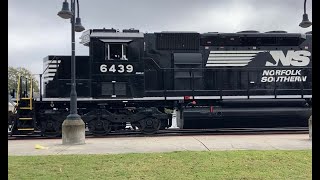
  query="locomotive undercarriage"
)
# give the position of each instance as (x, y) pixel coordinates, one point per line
(101, 119)
(150, 117)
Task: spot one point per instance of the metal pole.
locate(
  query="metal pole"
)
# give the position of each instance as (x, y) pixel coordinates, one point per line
(73, 127)
(26, 90)
(73, 95)
(310, 127)
(41, 87)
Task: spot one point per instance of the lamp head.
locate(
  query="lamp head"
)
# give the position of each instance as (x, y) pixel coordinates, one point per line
(77, 26)
(305, 21)
(65, 13)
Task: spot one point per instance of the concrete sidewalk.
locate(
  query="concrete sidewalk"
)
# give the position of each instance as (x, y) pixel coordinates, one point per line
(163, 144)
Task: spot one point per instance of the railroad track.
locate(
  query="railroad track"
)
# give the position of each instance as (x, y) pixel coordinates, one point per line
(182, 132)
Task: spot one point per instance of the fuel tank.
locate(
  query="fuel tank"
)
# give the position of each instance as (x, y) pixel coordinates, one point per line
(248, 114)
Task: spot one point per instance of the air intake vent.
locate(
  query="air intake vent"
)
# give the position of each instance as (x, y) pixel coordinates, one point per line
(130, 30)
(276, 32)
(105, 30)
(177, 41)
(249, 31)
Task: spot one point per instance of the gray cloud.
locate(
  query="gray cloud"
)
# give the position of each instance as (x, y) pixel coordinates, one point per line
(35, 30)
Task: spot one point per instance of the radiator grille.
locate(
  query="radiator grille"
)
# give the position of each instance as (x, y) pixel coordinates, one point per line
(177, 41)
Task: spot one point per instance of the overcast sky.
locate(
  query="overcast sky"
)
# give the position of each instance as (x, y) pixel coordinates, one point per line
(35, 30)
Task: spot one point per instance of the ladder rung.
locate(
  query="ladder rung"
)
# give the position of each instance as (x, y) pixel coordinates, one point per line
(26, 98)
(25, 129)
(25, 118)
(25, 108)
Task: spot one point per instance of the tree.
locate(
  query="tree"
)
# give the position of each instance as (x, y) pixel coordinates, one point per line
(13, 75)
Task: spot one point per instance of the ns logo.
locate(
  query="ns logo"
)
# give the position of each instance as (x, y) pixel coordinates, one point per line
(293, 58)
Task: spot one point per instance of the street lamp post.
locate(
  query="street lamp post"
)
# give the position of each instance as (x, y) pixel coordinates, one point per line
(305, 20)
(73, 127)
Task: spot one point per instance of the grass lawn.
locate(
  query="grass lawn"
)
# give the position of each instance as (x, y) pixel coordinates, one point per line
(176, 165)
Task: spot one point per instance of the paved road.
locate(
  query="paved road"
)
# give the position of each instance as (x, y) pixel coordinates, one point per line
(162, 144)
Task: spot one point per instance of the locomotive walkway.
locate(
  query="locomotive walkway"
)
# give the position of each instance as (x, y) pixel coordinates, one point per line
(112, 145)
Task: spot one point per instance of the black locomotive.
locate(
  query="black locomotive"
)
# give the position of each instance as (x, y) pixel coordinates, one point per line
(209, 80)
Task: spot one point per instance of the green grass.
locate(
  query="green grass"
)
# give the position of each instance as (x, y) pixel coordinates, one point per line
(177, 165)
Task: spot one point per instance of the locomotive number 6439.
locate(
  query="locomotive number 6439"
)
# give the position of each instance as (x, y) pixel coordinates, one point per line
(120, 68)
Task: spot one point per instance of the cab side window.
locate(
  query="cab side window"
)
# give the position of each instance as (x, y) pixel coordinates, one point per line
(116, 51)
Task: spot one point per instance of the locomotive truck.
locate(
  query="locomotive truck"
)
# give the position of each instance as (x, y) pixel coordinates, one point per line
(210, 80)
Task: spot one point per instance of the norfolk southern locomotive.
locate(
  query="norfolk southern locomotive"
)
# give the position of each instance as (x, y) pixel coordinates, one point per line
(210, 80)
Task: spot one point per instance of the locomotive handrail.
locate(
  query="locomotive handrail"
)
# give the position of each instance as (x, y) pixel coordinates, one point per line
(275, 84)
(54, 57)
(274, 90)
(239, 68)
(149, 58)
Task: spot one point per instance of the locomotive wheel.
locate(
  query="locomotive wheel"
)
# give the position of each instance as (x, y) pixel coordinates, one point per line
(118, 126)
(99, 127)
(164, 124)
(52, 128)
(149, 125)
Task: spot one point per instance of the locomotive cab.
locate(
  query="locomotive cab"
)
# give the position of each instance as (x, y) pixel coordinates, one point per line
(117, 70)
